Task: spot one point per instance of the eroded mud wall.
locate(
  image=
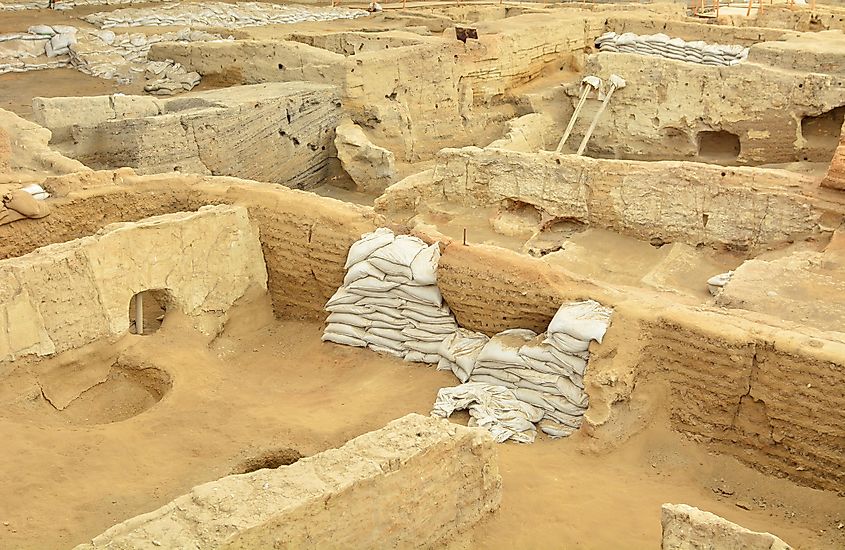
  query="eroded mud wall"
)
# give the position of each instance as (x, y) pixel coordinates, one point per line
(771, 397)
(430, 481)
(66, 295)
(304, 237)
(739, 208)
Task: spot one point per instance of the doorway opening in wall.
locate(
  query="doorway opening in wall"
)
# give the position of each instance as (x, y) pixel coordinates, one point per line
(718, 147)
(151, 307)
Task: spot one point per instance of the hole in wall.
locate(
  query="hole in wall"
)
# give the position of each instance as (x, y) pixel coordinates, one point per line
(154, 305)
(822, 134)
(269, 459)
(718, 146)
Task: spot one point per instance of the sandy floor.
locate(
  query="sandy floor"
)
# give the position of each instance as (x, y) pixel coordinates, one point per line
(267, 384)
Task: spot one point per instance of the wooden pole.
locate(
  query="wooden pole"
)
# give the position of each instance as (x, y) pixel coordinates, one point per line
(139, 313)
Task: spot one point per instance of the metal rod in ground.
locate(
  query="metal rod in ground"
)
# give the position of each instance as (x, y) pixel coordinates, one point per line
(465, 236)
(139, 313)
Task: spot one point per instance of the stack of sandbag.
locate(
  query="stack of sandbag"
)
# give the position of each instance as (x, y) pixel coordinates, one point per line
(168, 77)
(493, 407)
(459, 351)
(544, 370)
(389, 301)
(673, 48)
(41, 47)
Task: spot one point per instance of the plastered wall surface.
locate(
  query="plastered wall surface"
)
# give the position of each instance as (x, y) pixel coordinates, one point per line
(432, 480)
(66, 295)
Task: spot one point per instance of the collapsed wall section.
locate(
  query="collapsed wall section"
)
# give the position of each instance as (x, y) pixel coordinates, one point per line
(418, 482)
(66, 295)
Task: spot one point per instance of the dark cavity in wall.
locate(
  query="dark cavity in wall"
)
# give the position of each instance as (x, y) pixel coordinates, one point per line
(154, 305)
(822, 134)
(719, 146)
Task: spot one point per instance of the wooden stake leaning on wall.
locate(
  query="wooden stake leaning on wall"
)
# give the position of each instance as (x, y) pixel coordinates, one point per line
(616, 82)
(588, 83)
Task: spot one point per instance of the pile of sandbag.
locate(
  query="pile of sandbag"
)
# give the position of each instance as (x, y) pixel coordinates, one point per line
(101, 53)
(673, 48)
(545, 371)
(60, 5)
(389, 301)
(219, 15)
(495, 408)
(41, 47)
(168, 77)
(123, 57)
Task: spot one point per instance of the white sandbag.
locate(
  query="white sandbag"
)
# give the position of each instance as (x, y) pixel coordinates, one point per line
(386, 301)
(343, 339)
(392, 322)
(398, 273)
(504, 347)
(417, 357)
(351, 309)
(414, 333)
(492, 407)
(485, 369)
(389, 333)
(555, 430)
(429, 294)
(566, 343)
(342, 296)
(463, 347)
(41, 29)
(564, 405)
(572, 421)
(360, 270)
(424, 265)
(388, 311)
(376, 340)
(346, 330)
(387, 350)
(401, 252)
(349, 319)
(37, 192)
(430, 348)
(434, 328)
(439, 313)
(369, 243)
(371, 284)
(587, 320)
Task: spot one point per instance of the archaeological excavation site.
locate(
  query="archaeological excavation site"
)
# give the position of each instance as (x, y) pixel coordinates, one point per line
(422, 274)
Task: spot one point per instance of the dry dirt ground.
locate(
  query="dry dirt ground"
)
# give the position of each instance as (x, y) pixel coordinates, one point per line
(267, 384)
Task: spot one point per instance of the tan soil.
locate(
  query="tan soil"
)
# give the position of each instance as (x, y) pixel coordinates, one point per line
(267, 384)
